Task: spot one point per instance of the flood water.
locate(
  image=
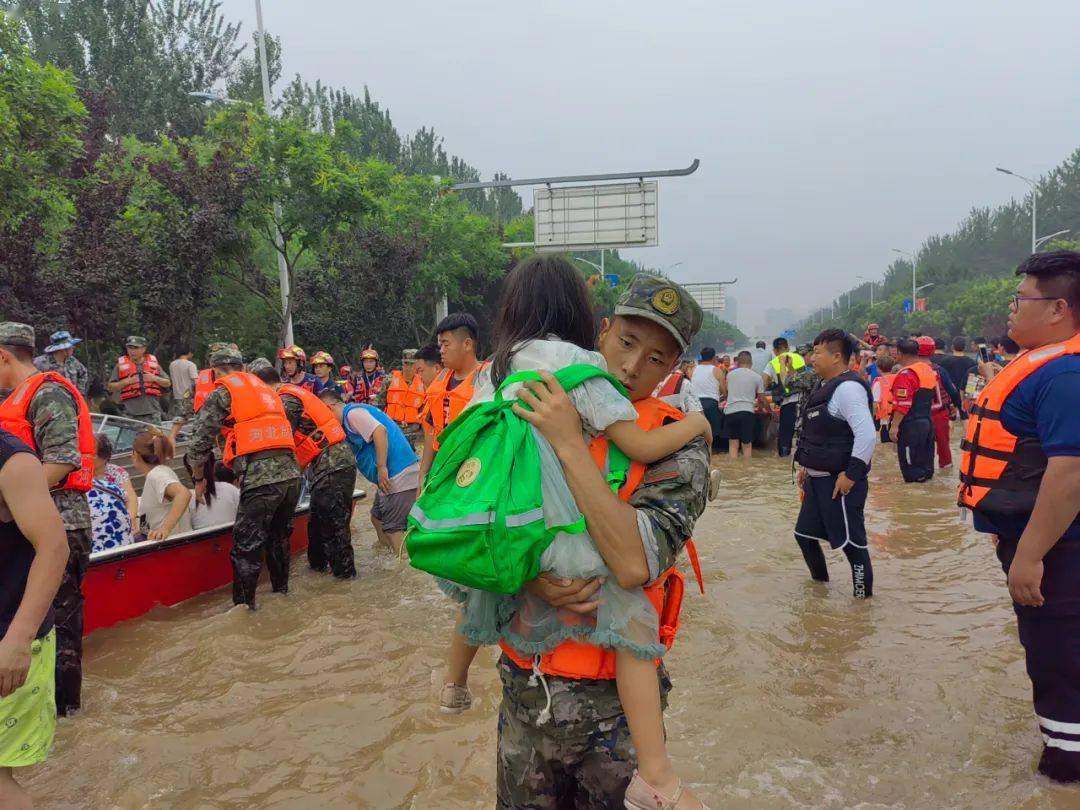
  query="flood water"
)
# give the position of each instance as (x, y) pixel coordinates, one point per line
(788, 693)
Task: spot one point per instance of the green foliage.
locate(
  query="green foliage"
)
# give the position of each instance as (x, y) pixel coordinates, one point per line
(41, 121)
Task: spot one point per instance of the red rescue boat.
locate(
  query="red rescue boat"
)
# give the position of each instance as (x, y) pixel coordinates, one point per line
(125, 582)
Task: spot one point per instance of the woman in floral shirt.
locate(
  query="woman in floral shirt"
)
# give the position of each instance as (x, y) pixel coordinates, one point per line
(111, 500)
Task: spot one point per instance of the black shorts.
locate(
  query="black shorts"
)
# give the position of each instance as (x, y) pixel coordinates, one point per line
(836, 521)
(740, 426)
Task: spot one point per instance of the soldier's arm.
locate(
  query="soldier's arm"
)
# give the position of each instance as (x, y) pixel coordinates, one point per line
(55, 418)
(207, 427)
(114, 383)
(294, 410)
(380, 398)
(669, 501)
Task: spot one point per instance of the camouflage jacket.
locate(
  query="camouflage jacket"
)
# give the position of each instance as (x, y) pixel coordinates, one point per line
(75, 371)
(803, 382)
(54, 417)
(270, 467)
(336, 457)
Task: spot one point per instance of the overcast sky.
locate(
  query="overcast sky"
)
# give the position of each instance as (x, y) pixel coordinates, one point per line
(828, 131)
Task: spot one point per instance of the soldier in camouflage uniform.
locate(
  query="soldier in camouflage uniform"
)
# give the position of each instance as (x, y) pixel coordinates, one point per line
(53, 415)
(802, 383)
(583, 756)
(332, 478)
(412, 430)
(59, 356)
(269, 489)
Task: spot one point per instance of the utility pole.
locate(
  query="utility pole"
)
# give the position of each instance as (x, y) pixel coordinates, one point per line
(279, 243)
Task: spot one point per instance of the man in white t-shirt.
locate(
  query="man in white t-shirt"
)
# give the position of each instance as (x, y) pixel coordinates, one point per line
(385, 457)
(184, 373)
(745, 394)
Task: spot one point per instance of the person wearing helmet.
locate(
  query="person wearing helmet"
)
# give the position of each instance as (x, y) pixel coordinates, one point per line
(322, 363)
(369, 380)
(344, 380)
(946, 403)
(873, 338)
(293, 360)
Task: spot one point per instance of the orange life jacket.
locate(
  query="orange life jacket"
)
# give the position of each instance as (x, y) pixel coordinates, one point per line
(328, 429)
(404, 402)
(576, 659)
(127, 370)
(204, 384)
(438, 400)
(14, 418)
(923, 399)
(1000, 472)
(257, 420)
(671, 385)
(886, 399)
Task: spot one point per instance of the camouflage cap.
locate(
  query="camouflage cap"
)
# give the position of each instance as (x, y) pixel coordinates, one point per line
(13, 333)
(218, 345)
(409, 354)
(664, 302)
(227, 354)
(259, 363)
(136, 341)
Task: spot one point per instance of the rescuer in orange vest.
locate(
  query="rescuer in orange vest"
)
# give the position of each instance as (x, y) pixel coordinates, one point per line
(915, 390)
(1020, 476)
(48, 413)
(881, 388)
(451, 390)
(139, 379)
(579, 760)
(259, 447)
(403, 396)
(322, 451)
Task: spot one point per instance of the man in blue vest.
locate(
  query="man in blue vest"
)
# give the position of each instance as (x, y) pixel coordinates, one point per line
(385, 458)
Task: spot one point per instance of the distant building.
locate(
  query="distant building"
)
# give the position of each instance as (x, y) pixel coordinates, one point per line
(731, 311)
(776, 321)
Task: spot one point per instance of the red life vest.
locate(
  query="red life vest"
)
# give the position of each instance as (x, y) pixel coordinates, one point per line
(1000, 473)
(14, 418)
(127, 370)
(671, 385)
(204, 385)
(328, 429)
(257, 419)
(575, 659)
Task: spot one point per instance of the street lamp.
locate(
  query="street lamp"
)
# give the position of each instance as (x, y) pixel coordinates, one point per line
(591, 264)
(914, 291)
(1042, 240)
(871, 282)
(1034, 201)
(671, 267)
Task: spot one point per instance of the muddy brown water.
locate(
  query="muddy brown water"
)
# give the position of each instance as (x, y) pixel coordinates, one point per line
(788, 693)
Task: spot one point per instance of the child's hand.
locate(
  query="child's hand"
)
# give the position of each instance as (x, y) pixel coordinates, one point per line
(703, 426)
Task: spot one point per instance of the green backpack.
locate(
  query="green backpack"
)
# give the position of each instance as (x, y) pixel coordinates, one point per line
(480, 520)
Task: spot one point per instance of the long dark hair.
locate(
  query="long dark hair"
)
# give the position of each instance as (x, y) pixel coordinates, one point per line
(543, 295)
(209, 470)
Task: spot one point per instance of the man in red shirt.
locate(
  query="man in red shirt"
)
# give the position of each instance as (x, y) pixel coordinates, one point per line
(914, 391)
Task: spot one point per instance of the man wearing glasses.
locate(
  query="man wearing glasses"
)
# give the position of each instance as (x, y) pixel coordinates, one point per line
(1020, 475)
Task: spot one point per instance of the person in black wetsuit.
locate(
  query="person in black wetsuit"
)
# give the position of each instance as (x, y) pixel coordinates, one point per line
(835, 448)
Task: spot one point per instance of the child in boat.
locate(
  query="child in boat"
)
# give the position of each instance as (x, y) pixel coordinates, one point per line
(546, 323)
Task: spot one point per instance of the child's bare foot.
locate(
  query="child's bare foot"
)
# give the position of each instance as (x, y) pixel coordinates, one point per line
(641, 795)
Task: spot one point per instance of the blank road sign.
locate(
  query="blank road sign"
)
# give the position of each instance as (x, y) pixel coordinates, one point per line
(710, 295)
(598, 216)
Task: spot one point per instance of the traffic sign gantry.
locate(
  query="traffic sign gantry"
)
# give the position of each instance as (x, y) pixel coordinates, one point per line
(596, 216)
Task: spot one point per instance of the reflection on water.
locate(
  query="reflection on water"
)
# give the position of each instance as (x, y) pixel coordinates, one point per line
(787, 693)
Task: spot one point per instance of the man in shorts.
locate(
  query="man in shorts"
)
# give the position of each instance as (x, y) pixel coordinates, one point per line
(745, 394)
(33, 555)
(385, 458)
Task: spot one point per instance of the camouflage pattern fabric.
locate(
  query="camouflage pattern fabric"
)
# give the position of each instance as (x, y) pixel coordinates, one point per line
(581, 758)
(803, 382)
(663, 302)
(329, 536)
(68, 611)
(263, 524)
(71, 368)
(333, 459)
(672, 497)
(268, 467)
(54, 417)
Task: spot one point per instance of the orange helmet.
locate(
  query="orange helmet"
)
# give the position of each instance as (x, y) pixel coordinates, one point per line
(369, 354)
(322, 358)
(292, 352)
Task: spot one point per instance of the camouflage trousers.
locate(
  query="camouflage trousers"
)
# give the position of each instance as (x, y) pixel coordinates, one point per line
(68, 610)
(329, 536)
(264, 522)
(582, 758)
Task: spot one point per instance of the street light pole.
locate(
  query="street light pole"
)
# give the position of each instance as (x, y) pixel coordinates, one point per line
(279, 243)
(870, 281)
(914, 292)
(1034, 202)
